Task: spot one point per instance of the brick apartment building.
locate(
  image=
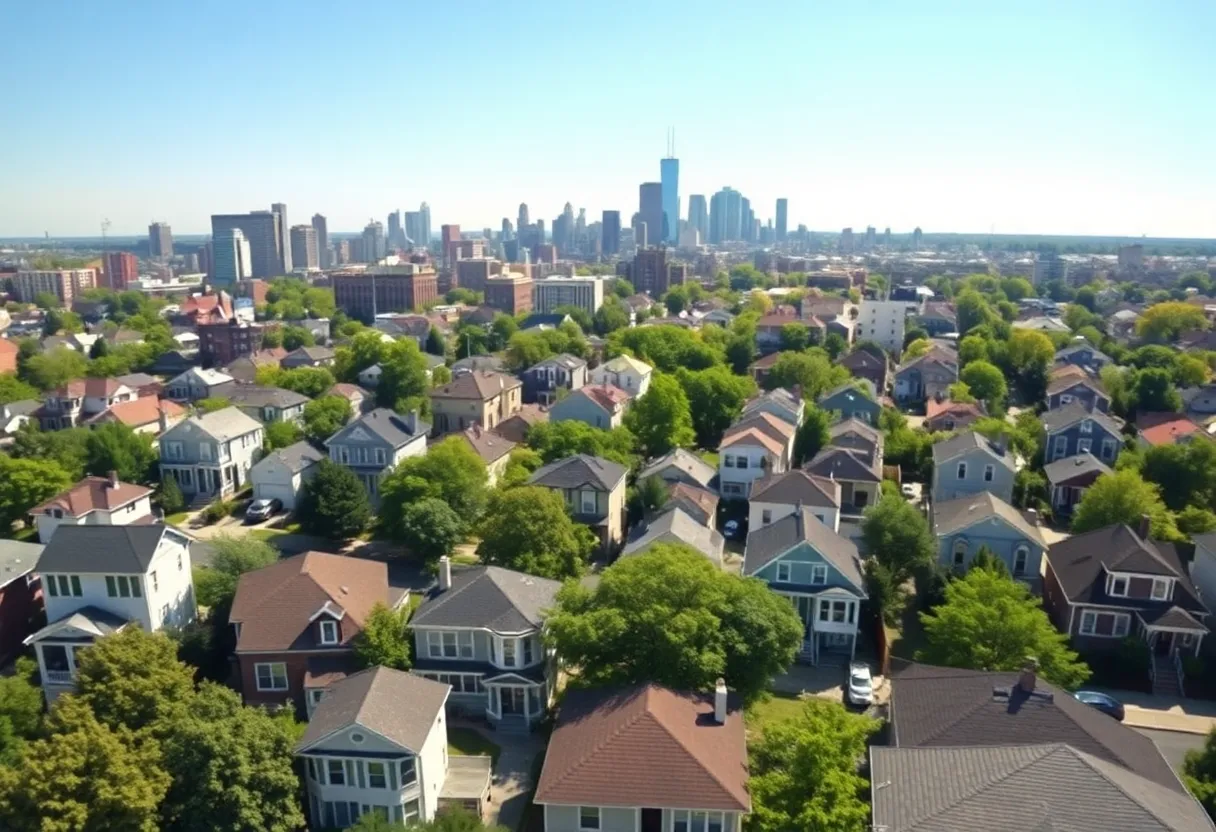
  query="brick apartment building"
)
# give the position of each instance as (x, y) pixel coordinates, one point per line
(397, 289)
(222, 343)
(512, 293)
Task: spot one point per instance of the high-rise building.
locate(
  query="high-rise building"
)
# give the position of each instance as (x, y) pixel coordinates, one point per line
(726, 216)
(524, 219)
(449, 236)
(916, 237)
(304, 252)
(886, 237)
(321, 225)
(508, 230)
(640, 232)
(284, 237)
(373, 242)
(746, 219)
(653, 274)
(611, 232)
(395, 231)
(64, 284)
(669, 174)
(260, 229)
(650, 206)
(698, 215)
(425, 227)
(122, 267)
(232, 257)
(584, 292)
(782, 218)
(871, 237)
(206, 260)
(160, 241)
(846, 241)
(365, 294)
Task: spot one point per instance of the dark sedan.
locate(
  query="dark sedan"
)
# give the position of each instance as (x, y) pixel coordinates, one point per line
(1108, 705)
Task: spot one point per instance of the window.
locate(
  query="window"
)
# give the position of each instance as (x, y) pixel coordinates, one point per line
(271, 675)
(1065, 399)
(962, 471)
(411, 811)
(783, 572)
(377, 775)
(123, 586)
(1122, 623)
(988, 472)
(379, 456)
(728, 461)
(1087, 426)
(839, 611)
(1059, 447)
(1083, 445)
(1161, 589)
(335, 772)
(819, 574)
(741, 462)
(1118, 586)
(155, 585)
(409, 772)
(1108, 448)
(1020, 555)
(508, 652)
(587, 502)
(450, 644)
(766, 517)
(588, 817)
(959, 553)
(329, 632)
(314, 696)
(173, 450)
(204, 451)
(1088, 623)
(528, 651)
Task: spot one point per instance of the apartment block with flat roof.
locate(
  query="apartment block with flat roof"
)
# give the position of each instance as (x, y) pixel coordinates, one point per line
(584, 292)
(512, 293)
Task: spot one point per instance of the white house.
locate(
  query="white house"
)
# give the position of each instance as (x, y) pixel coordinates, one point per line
(282, 474)
(780, 495)
(370, 377)
(79, 399)
(196, 383)
(96, 580)
(94, 501)
(211, 454)
(758, 445)
(625, 372)
(882, 321)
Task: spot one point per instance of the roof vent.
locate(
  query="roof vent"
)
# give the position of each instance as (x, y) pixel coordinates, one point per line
(345, 590)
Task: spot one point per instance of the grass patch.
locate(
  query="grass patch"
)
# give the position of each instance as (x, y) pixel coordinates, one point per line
(177, 518)
(778, 707)
(466, 559)
(466, 742)
(266, 535)
(710, 456)
(910, 636)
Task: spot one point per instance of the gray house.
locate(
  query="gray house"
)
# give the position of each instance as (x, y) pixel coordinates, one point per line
(970, 463)
(479, 631)
(599, 405)
(543, 380)
(211, 455)
(926, 376)
(852, 401)
(375, 442)
(593, 489)
(1083, 355)
(1068, 479)
(1087, 392)
(965, 525)
(1073, 430)
(676, 526)
(681, 466)
(268, 404)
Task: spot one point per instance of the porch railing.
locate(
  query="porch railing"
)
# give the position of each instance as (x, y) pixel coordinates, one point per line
(1178, 669)
(60, 677)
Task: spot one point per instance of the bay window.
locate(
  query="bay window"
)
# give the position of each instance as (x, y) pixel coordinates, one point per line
(450, 644)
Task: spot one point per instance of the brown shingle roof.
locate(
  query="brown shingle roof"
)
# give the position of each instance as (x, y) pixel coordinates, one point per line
(93, 494)
(95, 387)
(143, 411)
(607, 396)
(489, 445)
(682, 493)
(477, 384)
(645, 746)
(515, 428)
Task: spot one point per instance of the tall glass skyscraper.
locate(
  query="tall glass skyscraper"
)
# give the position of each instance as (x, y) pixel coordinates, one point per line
(669, 176)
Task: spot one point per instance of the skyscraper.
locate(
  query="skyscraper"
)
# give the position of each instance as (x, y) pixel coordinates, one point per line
(395, 232)
(523, 216)
(746, 219)
(449, 237)
(782, 218)
(231, 256)
(322, 227)
(304, 253)
(284, 237)
(373, 242)
(425, 228)
(669, 173)
(698, 215)
(916, 237)
(650, 206)
(612, 232)
(726, 216)
(260, 230)
(160, 241)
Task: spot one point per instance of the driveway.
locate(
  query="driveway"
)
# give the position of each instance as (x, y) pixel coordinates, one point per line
(1165, 713)
(512, 782)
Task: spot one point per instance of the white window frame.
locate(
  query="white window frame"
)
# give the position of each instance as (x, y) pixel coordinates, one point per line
(766, 516)
(784, 572)
(1083, 445)
(1121, 626)
(383, 774)
(585, 824)
(583, 494)
(1059, 446)
(1087, 426)
(1109, 448)
(1022, 552)
(819, 574)
(272, 677)
(328, 631)
(1065, 398)
(728, 461)
(436, 644)
(1165, 589)
(989, 473)
(1092, 618)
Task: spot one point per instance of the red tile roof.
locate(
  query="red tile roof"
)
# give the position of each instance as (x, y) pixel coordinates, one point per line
(139, 412)
(1165, 428)
(607, 396)
(95, 387)
(93, 494)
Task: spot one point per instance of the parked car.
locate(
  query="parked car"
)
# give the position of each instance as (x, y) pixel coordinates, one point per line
(1108, 705)
(260, 510)
(860, 688)
(908, 490)
(735, 529)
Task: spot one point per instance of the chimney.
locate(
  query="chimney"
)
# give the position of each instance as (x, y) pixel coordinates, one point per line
(1028, 676)
(445, 573)
(113, 479)
(720, 702)
(1146, 524)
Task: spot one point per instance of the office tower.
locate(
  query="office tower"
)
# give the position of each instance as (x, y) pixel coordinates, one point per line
(650, 206)
(64, 284)
(563, 231)
(511, 292)
(206, 260)
(611, 232)
(342, 252)
(304, 252)
(584, 292)
(523, 216)
(916, 236)
(726, 216)
(425, 228)
(321, 225)
(508, 231)
(231, 258)
(121, 268)
(640, 233)
(160, 241)
(395, 232)
(782, 218)
(846, 241)
(284, 238)
(261, 232)
(669, 174)
(385, 289)
(886, 237)
(871, 237)
(373, 242)
(449, 237)
(651, 272)
(746, 217)
(698, 215)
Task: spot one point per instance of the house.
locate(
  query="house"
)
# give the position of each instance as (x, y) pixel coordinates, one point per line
(680, 465)
(1086, 391)
(210, 455)
(762, 366)
(1068, 479)
(245, 368)
(268, 404)
(938, 318)
(14, 415)
(863, 363)
(374, 443)
(1042, 323)
(965, 525)
(476, 397)
(599, 405)
(493, 450)
(625, 372)
(20, 595)
(479, 630)
(281, 475)
(542, 381)
(172, 363)
(206, 309)
(780, 495)
(297, 619)
(1083, 355)
(1156, 429)
(820, 572)
(515, 428)
(94, 501)
(593, 489)
(971, 463)
(718, 317)
(369, 377)
(378, 743)
(483, 363)
(852, 401)
(856, 434)
(770, 327)
(859, 474)
(96, 580)
(1073, 430)
(79, 400)
(147, 414)
(196, 383)
(925, 377)
(698, 503)
(308, 357)
(352, 393)
(785, 404)
(646, 758)
(759, 445)
(142, 383)
(945, 415)
(676, 526)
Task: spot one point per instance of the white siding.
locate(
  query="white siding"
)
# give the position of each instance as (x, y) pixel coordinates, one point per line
(827, 515)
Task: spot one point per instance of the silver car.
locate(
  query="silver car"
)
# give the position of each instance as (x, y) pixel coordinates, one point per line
(860, 688)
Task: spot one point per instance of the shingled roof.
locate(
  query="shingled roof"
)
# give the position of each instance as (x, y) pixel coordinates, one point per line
(579, 470)
(401, 707)
(489, 597)
(479, 385)
(93, 494)
(766, 544)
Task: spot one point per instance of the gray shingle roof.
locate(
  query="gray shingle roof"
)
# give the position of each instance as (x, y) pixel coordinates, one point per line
(969, 440)
(87, 619)
(1063, 417)
(1071, 467)
(1063, 383)
(564, 360)
(497, 599)
(389, 426)
(764, 545)
(252, 395)
(123, 550)
(399, 706)
(676, 526)
(845, 464)
(951, 516)
(797, 487)
(696, 468)
(223, 425)
(575, 471)
(297, 457)
(17, 559)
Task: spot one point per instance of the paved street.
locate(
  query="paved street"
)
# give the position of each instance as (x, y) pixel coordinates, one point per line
(1174, 744)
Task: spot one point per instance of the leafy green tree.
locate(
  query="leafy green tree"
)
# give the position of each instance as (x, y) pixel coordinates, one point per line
(520, 465)
(715, 397)
(740, 353)
(13, 389)
(334, 503)
(325, 416)
(450, 471)
(647, 497)
(435, 342)
(430, 528)
(1152, 391)
(132, 678)
(661, 419)
(1199, 773)
(272, 337)
(449, 820)
(670, 616)
(558, 440)
(810, 370)
(403, 379)
(985, 558)
(307, 381)
(1185, 473)
(972, 310)
(211, 405)
(1194, 520)
(813, 434)
(295, 337)
(231, 557)
(805, 771)
(24, 483)
(54, 368)
(985, 381)
(795, 337)
(528, 529)
(1190, 371)
(115, 447)
(886, 593)
(1164, 322)
(363, 350)
(835, 345)
(666, 347)
(20, 709)
(1123, 497)
(896, 534)
(172, 500)
(384, 640)
(282, 434)
(611, 316)
(991, 622)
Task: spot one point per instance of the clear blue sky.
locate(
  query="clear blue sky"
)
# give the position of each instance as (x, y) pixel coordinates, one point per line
(1033, 117)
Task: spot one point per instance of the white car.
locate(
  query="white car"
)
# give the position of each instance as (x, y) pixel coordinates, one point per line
(860, 689)
(908, 490)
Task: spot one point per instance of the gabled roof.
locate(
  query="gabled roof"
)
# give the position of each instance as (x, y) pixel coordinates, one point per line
(116, 550)
(515, 427)
(766, 423)
(17, 559)
(490, 597)
(796, 487)
(607, 396)
(684, 460)
(346, 391)
(88, 619)
(626, 363)
(1067, 382)
(93, 494)
(295, 458)
(1064, 353)
(1069, 415)
(845, 464)
(779, 397)
(399, 706)
(1069, 468)
(1166, 428)
(564, 360)
(488, 445)
(767, 544)
(966, 442)
(693, 500)
(221, 425)
(946, 408)
(857, 426)
(863, 360)
(252, 395)
(953, 516)
(645, 746)
(752, 435)
(398, 431)
(935, 707)
(209, 377)
(480, 385)
(100, 388)
(576, 471)
(311, 353)
(861, 387)
(934, 357)
(675, 525)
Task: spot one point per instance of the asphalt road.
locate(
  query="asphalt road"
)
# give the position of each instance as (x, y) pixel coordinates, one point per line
(1174, 744)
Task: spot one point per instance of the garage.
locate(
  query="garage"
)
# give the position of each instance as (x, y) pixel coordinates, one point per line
(275, 491)
(280, 476)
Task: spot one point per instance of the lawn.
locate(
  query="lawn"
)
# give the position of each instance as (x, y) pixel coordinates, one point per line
(466, 559)
(710, 456)
(466, 742)
(177, 519)
(776, 708)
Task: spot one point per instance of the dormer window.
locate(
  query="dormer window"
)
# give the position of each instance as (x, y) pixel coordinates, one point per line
(1161, 589)
(1087, 426)
(329, 632)
(1118, 586)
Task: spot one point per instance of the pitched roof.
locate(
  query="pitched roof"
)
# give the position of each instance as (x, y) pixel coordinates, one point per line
(762, 420)
(845, 464)
(210, 377)
(488, 445)
(87, 619)
(607, 396)
(862, 360)
(399, 706)
(1067, 382)
(1064, 352)
(1063, 470)
(946, 407)
(1165, 428)
(1070, 414)
(945, 706)
(93, 494)
(497, 599)
(119, 550)
(952, 516)
(222, 424)
(387, 424)
(693, 500)
(295, 458)
(515, 427)
(312, 353)
(564, 360)
(624, 363)
(675, 525)
(752, 434)
(966, 441)
(252, 395)
(766, 544)
(578, 470)
(99, 388)
(274, 605)
(1030, 787)
(796, 487)
(476, 384)
(684, 460)
(782, 398)
(932, 357)
(346, 391)
(855, 425)
(645, 746)
(17, 559)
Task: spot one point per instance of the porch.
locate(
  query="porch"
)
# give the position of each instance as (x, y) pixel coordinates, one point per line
(210, 479)
(515, 702)
(829, 622)
(1170, 635)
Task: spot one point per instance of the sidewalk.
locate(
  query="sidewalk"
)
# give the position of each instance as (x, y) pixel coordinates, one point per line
(1165, 713)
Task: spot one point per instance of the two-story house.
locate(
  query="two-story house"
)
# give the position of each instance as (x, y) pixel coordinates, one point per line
(820, 572)
(756, 446)
(479, 630)
(20, 595)
(210, 455)
(943, 415)
(80, 400)
(646, 758)
(926, 376)
(626, 372)
(477, 397)
(296, 621)
(599, 405)
(494, 450)
(984, 521)
(780, 495)
(1087, 391)
(378, 743)
(97, 580)
(1073, 430)
(858, 472)
(1068, 479)
(593, 489)
(197, 383)
(971, 463)
(1083, 355)
(308, 357)
(865, 364)
(856, 434)
(543, 380)
(94, 501)
(147, 414)
(282, 474)
(681, 465)
(676, 526)
(373, 444)
(786, 405)
(268, 404)
(852, 401)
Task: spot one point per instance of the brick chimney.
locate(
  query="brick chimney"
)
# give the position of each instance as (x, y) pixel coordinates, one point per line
(113, 477)
(1146, 524)
(720, 702)
(1028, 676)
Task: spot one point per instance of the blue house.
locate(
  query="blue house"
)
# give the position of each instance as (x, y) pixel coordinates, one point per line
(1073, 430)
(1089, 392)
(852, 400)
(965, 525)
(1083, 354)
(820, 572)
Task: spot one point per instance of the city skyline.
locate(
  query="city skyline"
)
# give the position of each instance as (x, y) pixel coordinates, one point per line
(946, 124)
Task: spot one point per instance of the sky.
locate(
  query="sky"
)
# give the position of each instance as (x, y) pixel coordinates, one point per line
(1059, 117)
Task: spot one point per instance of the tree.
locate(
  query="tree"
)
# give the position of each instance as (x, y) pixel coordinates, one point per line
(897, 536)
(272, 337)
(54, 368)
(13, 389)
(211, 405)
(307, 381)
(558, 440)
(435, 342)
(985, 381)
(989, 621)
(1190, 371)
(1199, 773)
(1185, 473)
(1152, 391)
(610, 317)
(1164, 322)
(132, 678)
(528, 529)
(282, 434)
(384, 640)
(325, 416)
(231, 558)
(403, 379)
(805, 771)
(661, 419)
(810, 370)
(1194, 520)
(24, 483)
(450, 471)
(835, 345)
(520, 465)
(1123, 497)
(647, 497)
(115, 447)
(295, 337)
(715, 397)
(972, 310)
(672, 617)
(334, 503)
(20, 709)
(813, 434)
(430, 528)
(795, 337)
